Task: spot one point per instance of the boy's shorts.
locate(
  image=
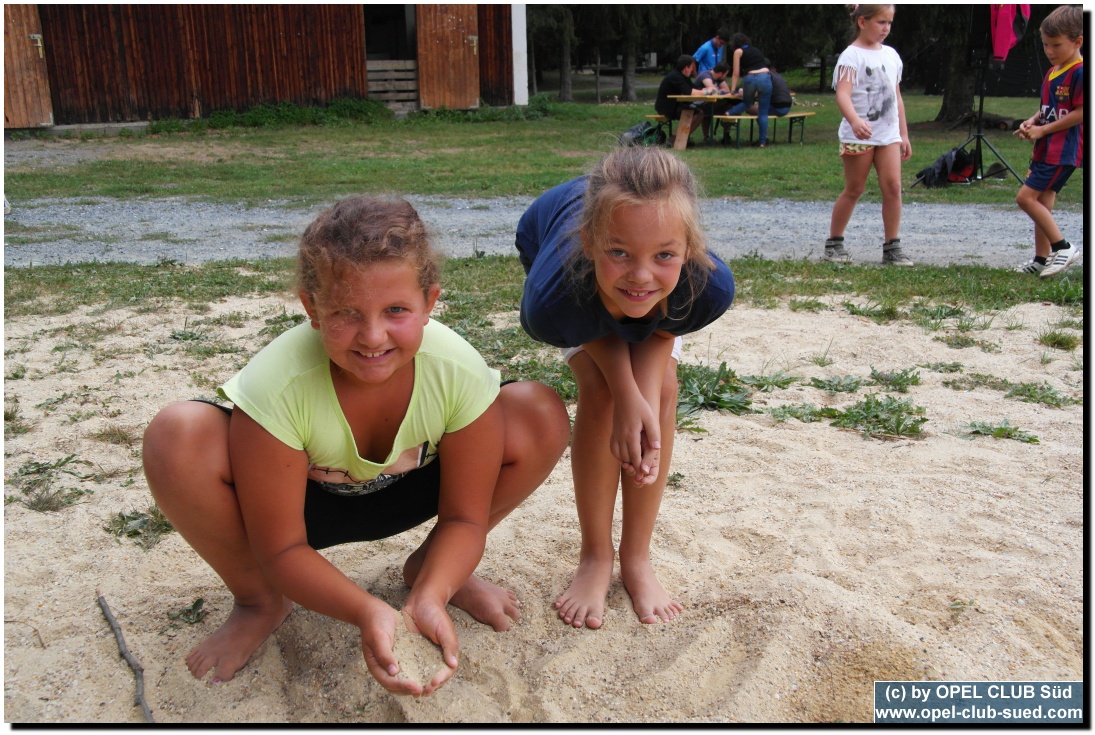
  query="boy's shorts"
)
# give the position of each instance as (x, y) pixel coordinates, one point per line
(1045, 176)
(408, 502)
(678, 347)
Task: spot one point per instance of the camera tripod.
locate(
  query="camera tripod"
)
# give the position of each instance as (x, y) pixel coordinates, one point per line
(979, 139)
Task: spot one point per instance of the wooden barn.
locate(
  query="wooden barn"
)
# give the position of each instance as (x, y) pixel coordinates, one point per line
(81, 64)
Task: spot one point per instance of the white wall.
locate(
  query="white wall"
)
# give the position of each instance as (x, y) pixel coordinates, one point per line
(520, 55)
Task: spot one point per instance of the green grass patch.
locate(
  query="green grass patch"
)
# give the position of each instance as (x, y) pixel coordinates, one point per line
(314, 155)
(145, 527)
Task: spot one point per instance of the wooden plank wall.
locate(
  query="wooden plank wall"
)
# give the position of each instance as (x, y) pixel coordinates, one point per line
(120, 63)
(496, 55)
(26, 83)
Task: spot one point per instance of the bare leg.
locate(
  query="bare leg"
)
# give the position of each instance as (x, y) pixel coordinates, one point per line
(537, 431)
(596, 478)
(887, 162)
(1039, 207)
(640, 510)
(856, 169)
(186, 463)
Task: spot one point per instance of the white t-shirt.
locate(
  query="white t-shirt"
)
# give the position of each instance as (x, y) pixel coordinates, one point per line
(874, 75)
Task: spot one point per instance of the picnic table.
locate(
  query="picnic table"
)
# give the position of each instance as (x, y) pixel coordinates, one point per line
(681, 141)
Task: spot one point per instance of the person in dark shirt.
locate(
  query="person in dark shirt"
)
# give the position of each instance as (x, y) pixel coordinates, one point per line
(679, 81)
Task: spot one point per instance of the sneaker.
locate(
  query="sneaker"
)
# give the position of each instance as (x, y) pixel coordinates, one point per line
(1032, 267)
(893, 255)
(1060, 260)
(835, 252)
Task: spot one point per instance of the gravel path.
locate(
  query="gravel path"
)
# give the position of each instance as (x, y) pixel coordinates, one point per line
(52, 231)
(147, 231)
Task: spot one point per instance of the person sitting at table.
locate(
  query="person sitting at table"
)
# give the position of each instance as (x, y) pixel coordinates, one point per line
(710, 53)
(679, 82)
(710, 83)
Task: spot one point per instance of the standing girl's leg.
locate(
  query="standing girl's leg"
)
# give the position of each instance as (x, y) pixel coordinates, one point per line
(856, 168)
(640, 511)
(596, 478)
(186, 463)
(887, 163)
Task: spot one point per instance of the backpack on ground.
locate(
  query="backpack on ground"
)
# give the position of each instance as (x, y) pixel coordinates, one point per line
(644, 134)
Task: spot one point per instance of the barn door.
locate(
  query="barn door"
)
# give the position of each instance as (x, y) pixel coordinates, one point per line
(27, 103)
(448, 56)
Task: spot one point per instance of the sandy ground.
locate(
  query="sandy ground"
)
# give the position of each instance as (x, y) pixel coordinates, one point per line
(811, 561)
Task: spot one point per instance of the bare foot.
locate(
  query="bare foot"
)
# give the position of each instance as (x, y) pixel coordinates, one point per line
(583, 604)
(649, 599)
(231, 646)
(488, 603)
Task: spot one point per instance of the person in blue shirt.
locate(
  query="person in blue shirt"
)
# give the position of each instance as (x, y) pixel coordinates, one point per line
(617, 270)
(710, 52)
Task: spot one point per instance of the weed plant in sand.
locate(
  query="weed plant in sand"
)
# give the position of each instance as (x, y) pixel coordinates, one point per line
(145, 527)
(1002, 430)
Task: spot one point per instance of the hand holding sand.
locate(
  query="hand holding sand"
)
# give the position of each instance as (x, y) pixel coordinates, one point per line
(419, 658)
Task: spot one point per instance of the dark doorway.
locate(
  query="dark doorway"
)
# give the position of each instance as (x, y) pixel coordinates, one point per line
(390, 32)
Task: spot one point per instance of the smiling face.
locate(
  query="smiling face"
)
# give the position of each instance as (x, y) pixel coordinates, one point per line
(372, 322)
(1061, 50)
(640, 264)
(874, 30)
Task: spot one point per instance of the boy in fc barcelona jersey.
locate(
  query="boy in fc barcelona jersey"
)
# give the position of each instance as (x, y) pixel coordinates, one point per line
(1057, 130)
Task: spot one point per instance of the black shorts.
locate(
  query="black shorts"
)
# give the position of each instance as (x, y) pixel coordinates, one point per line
(332, 519)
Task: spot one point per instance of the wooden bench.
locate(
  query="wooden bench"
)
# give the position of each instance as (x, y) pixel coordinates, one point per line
(792, 118)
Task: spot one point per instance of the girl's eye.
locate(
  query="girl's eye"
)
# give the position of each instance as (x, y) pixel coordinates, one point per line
(617, 253)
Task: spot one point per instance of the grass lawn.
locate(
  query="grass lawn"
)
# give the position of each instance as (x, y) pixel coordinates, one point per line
(455, 154)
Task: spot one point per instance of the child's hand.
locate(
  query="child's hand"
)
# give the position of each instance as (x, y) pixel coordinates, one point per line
(651, 461)
(377, 639)
(862, 129)
(633, 424)
(906, 150)
(434, 623)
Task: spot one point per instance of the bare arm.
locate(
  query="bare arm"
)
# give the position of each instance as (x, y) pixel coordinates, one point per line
(735, 76)
(632, 417)
(649, 361)
(270, 485)
(906, 143)
(471, 459)
(860, 127)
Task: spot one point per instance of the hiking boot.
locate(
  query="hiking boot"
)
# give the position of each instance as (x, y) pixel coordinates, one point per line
(893, 255)
(1060, 260)
(1032, 267)
(835, 252)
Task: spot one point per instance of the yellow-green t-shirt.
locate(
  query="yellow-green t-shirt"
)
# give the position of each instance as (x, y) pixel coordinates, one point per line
(287, 389)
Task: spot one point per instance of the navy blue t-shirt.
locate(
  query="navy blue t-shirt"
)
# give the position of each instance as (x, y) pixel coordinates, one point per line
(565, 314)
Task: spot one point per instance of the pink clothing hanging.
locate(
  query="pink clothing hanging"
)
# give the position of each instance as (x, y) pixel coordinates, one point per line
(1009, 22)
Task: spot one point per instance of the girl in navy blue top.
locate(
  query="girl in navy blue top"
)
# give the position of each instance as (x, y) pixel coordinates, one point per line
(617, 270)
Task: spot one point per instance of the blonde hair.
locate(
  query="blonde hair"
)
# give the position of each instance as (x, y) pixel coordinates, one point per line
(1067, 20)
(638, 175)
(359, 232)
(863, 11)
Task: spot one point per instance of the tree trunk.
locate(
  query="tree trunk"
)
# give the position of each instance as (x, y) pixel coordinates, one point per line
(533, 90)
(958, 95)
(566, 91)
(627, 92)
(597, 71)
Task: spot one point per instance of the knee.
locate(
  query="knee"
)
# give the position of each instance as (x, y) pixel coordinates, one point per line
(853, 190)
(891, 190)
(536, 416)
(181, 437)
